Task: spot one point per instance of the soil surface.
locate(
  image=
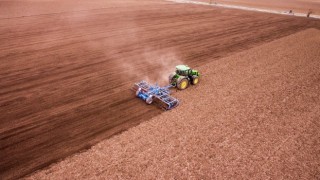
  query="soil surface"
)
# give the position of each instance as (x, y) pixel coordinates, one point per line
(299, 6)
(255, 115)
(65, 74)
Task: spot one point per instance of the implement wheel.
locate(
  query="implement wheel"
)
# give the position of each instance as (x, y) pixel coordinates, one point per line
(183, 83)
(149, 100)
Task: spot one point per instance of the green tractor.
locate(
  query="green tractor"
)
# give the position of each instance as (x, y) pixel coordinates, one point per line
(184, 76)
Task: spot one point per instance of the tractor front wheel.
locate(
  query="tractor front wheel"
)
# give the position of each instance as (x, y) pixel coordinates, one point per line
(183, 83)
(195, 80)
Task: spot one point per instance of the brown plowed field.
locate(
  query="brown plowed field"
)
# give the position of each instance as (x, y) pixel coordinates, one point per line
(255, 115)
(65, 75)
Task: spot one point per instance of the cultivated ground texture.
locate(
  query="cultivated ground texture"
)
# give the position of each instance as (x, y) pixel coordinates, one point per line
(255, 115)
(67, 67)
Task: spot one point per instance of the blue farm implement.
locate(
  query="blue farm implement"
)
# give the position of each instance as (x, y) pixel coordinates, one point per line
(155, 94)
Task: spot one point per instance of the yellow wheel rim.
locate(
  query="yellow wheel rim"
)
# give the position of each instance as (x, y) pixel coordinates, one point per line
(184, 84)
(195, 81)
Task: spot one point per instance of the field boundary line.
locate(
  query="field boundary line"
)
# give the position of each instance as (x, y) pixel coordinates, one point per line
(245, 8)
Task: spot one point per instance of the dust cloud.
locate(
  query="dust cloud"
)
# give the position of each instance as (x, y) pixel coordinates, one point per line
(153, 66)
(164, 63)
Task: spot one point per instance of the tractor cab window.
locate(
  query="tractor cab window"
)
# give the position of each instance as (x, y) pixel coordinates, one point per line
(183, 73)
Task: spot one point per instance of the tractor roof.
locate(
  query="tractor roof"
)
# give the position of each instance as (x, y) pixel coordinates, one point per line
(182, 67)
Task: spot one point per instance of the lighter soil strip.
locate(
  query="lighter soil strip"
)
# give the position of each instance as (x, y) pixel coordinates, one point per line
(246, 8)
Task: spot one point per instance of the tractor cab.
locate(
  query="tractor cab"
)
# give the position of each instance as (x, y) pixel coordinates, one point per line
(183, 70)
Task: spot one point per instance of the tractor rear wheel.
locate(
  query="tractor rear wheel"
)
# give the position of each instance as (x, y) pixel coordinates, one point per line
(171, 78)
(183, 83)
(195, 80)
